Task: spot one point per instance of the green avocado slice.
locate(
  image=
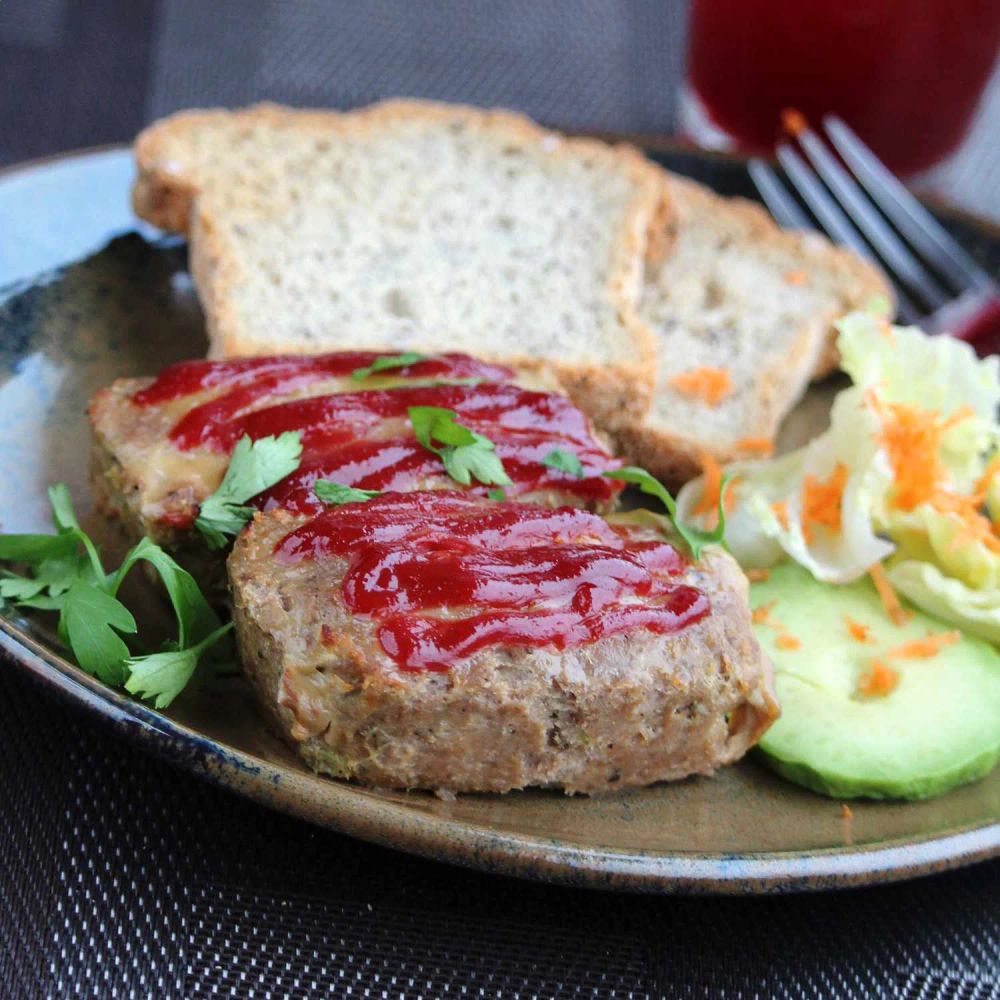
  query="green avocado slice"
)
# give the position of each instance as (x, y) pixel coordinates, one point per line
(938, 728)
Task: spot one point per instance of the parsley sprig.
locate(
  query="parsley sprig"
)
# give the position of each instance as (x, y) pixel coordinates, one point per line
(696, 538)
(336, 493)
(65, 574)
(386, 363)
(564, 461)
(464, 453)
(254, 467)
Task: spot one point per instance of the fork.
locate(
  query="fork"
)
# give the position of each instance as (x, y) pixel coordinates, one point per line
(862, 206)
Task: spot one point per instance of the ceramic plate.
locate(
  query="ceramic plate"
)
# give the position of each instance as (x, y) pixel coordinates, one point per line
(92, 295)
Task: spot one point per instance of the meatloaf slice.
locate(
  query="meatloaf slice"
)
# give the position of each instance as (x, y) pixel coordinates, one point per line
(161, 446)
(440, 641)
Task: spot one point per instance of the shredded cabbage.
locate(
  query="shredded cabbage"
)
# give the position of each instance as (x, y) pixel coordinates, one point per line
(936, 560)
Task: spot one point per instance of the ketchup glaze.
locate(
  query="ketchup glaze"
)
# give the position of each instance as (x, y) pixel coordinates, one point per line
(444, 575)
(363, 438)
(189, 377)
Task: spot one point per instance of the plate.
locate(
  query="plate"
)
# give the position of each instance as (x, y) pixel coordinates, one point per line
(115, 299)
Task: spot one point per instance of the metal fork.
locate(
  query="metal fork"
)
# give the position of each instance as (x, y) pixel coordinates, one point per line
(863, 206)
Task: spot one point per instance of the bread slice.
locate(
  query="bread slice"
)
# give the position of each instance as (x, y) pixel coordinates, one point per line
(414, 226)
(750, 302)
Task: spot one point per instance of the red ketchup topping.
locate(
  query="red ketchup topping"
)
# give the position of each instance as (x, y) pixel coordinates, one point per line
(189, 377)
(363, 438)
(444, 575)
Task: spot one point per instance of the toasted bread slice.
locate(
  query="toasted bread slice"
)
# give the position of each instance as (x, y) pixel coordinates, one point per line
(414, 226)
(744, 312)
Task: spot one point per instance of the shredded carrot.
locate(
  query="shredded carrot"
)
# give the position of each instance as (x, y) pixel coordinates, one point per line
(711, 385)
(992, 468)
(793, 121)
(924, 649)
(878, 681)
(762, 615)
(912, 437)
(796, 277)
(885, 328)
(708, 503)
(857, 631)
(759, 446)
(788, 641)
(781, 513)
(890, 602)
(758, 575)
(821, 501)
(845, 811)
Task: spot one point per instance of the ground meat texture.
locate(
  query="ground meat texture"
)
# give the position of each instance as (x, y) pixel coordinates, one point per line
(626, 710)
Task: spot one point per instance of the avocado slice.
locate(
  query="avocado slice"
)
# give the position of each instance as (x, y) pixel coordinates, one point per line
(938, 728)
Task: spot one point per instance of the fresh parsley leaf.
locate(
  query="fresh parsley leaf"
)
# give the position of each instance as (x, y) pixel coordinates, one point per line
(564, 461)
(34, 549)
(696, 538)
(497, 494)
(254, 466)
(336, 493)
(464, 453)
(91, 621)
(385, 363)
(195, 617)
(63, 515)
(162, 676)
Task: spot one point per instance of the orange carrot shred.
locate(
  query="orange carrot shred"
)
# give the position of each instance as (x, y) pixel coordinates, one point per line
(781, 513)
(878, 681)
(793, 121)
(912, 438)
(924, 649)
(857, 631)
(992, 468)
(761, 615)
(845, 811)
(788, 641)
(759, 445)
(796, 277)
(710, 385)
(758, 575)
(709, 501)
(890, 602)
(821, 501)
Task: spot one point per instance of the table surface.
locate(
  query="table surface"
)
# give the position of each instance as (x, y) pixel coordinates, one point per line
(124, 877)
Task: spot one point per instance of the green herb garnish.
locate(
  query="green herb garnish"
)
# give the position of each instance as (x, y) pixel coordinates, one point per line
(465, 453)
(336, 493)
(696, 538)
(386, 363)
(66, 576)
(564, 461)
(497, 494)
(254, 466)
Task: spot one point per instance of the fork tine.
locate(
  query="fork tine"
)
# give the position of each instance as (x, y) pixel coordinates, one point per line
(834, 221)
(894, 253)
(779, 202)
(912, 219)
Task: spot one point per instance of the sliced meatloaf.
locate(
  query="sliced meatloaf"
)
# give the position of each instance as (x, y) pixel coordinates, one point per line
(443, 641)
(161, 446)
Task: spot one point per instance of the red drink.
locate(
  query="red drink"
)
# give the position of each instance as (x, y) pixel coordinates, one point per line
(905, 74)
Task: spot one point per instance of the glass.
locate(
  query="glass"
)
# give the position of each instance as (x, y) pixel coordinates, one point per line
(905, 74)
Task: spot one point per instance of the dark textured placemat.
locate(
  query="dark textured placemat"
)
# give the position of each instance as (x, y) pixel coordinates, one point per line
(123, 877)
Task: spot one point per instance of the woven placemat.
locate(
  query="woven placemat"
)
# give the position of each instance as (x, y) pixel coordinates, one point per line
(124, 877)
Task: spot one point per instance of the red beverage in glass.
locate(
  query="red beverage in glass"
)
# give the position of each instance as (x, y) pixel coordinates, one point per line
(905, 74)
